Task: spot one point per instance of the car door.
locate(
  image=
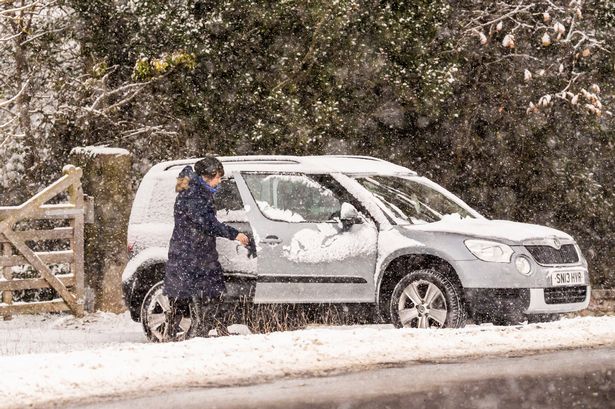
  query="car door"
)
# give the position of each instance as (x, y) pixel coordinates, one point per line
(230, 210)
(305, 253)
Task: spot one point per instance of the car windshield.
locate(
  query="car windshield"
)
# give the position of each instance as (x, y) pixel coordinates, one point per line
(409, 201)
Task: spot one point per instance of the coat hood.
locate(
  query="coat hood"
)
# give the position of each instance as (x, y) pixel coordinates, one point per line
(189, 179)
(184, 179)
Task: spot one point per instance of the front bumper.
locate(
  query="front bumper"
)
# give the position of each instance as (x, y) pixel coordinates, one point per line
(558, 299)
(127, 292)
(482, 274)
(514, 301)
(499, 289)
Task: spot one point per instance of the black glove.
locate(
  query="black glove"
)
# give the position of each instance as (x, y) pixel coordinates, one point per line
(251, 246)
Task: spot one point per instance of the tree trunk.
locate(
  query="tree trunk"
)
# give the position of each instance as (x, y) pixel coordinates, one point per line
(106, 177)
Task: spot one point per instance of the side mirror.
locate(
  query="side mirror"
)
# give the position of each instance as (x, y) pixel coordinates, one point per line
(349, 216)
(348, 212)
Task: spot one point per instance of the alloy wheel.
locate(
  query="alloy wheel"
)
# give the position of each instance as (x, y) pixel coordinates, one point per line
(422, 305)
(154, 313)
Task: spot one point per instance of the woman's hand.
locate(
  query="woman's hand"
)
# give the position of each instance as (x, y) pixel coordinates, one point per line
(243, 239)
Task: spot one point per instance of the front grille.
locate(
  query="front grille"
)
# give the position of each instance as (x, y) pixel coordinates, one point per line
(567, 254)
(565, 295)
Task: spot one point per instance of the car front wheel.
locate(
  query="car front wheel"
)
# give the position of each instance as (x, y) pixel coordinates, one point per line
(155, 318)
(427, 299)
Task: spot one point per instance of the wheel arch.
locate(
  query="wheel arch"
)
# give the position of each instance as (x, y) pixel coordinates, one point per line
(400, 263)
(141, 273)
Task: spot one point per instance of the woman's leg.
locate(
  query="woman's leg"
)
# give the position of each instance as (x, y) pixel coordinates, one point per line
(219, 316)
(179, 307)
(211, 315)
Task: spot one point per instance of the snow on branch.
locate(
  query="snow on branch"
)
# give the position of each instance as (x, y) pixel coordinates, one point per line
(158, 129)
(8, 123)
(116, 91)
(14, 98)
(44, 33)
(518, 9)
(9, 13)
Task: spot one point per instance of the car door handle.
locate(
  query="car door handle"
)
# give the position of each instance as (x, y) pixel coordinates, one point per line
(271, 240)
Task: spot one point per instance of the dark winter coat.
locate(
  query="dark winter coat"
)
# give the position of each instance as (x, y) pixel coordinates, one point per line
(193, 265)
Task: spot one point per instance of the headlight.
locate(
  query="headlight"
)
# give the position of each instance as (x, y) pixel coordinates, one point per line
(523, 265)
(490, 250)
(581, 256)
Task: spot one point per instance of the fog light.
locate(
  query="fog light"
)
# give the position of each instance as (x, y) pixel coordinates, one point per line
(523, 265)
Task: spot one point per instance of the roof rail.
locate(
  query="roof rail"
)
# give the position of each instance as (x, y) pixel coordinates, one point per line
(246, 159)
(257, 160)
(357, 157)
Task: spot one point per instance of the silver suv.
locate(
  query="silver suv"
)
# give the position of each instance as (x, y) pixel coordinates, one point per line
(359, 230)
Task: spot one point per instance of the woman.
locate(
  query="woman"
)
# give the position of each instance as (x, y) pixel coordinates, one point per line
(193, 271)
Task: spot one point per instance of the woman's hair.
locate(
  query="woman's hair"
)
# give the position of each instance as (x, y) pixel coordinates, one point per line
(209, 167)
(182, 184)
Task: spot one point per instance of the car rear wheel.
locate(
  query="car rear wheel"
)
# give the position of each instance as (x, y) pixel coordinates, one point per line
(155, 318)
(427, 299)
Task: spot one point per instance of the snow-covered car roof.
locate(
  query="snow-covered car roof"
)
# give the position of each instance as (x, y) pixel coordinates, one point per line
(307, 164)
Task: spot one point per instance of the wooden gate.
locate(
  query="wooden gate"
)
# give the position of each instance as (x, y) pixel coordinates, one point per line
(16, 252)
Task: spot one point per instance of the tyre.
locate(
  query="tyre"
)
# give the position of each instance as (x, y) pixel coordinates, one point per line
(427, 299)
(154, 317)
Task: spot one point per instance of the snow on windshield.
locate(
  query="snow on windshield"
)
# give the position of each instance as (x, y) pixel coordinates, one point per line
(410, 202)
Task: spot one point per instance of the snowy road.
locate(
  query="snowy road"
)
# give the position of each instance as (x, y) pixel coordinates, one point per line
(49, 360)
(574, 378)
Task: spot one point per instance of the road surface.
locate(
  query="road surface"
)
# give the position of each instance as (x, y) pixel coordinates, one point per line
(582, 378)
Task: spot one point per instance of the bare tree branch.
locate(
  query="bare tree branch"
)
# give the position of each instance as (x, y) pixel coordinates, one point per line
(8, 138)
(5, 12)
(10, 37)
(517, 9)
(42, 34)
(10, 101)
(126, 87)
(159, 129)
(127, 99)
(8, 123)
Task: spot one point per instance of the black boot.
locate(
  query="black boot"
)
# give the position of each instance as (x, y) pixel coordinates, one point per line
(198, 316)
(205, 313)
(172, 320)
(219, 317)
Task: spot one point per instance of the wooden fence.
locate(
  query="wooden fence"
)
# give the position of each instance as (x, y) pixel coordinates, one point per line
(15, 250)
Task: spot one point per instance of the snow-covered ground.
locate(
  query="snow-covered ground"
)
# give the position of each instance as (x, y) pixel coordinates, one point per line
(55, 358)
(34, 334)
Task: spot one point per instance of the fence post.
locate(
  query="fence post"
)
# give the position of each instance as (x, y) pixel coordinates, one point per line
(106, 177)
(75, 196)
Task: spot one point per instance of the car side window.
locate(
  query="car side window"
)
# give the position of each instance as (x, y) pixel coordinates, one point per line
(228, 203)
(295, 197)
(160, 206)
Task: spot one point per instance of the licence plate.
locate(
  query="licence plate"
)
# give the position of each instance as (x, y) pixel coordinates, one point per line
(559, 278)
